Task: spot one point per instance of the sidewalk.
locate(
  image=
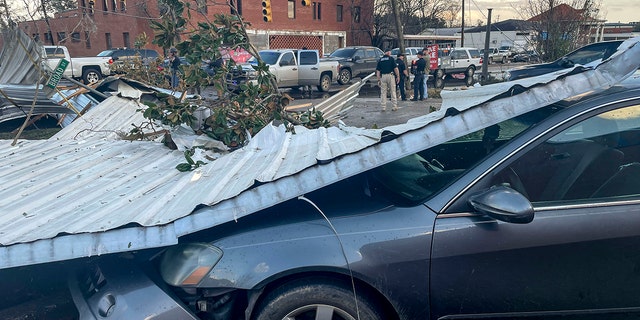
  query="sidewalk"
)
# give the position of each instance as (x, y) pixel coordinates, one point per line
(366, 112)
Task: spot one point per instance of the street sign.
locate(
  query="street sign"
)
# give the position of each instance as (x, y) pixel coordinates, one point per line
(57, 74)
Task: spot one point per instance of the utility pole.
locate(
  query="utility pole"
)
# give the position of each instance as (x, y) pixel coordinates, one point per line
(462, 33)
(487, 38)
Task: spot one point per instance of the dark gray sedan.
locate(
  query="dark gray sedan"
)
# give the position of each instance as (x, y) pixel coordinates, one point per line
(535, 217)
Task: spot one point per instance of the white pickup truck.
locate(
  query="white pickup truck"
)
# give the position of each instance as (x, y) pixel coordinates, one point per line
(89, 69)
(295, 68)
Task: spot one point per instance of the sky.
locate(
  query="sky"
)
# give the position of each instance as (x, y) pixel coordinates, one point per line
(611, 10)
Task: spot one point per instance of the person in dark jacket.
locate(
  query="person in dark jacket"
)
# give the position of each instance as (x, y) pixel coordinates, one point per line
(174, 65)
(418, 80)
(388, 77)
(404, 74)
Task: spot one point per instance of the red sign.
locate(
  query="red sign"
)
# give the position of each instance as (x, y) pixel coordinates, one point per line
(432, 51)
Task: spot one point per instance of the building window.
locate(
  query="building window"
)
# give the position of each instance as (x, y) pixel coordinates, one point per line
(237, 4)
(114, 5)
(75, 37)
(123, 5)
(339, 13)
(62, 36)
(87, 40)
(105, 6)
(317, 12)
(107, 38)
(202, 6)
(291, 9)
(36, 37)
(48, 38)
(126, 39)
(356, 14)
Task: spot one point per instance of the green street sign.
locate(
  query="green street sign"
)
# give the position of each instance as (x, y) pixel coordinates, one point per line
(57, 74)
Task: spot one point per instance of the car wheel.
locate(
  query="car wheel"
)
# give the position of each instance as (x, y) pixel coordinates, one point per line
(325, 83)
(470, 72)
(490, 60)
(345, 76)
(504, 60)
(316, 298)
(439, 73)
(90, 76)
(468, 81)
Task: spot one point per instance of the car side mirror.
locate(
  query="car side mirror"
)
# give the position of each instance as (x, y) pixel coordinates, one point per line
(503, 203)
(355, 58)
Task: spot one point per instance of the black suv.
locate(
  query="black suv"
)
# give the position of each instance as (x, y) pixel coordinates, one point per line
(583, 55)
(124, 54)
(355, 62)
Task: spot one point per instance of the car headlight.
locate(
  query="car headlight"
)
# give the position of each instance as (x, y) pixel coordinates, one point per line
(187, 264)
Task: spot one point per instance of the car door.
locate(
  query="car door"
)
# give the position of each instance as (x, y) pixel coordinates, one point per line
(308, 68)
(460, 59)
(287, 70)
(579, 257)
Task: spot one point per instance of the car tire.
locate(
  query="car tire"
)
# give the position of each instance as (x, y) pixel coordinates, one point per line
(325, 83)
(304, 298)
(504, 60)
(439, 73)
(490, 60)
(470, 72)
(468, 81)
(344, 77)
(90, 76)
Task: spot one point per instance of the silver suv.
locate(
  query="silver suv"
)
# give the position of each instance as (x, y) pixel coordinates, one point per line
(459, 61)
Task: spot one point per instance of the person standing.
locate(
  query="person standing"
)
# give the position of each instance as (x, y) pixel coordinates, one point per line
(425, 53)
(404, 74)
(388, 77)
(174, 65)
(418, 79)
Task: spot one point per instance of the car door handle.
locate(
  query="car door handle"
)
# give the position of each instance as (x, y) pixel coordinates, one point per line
(314, 68)
(294, 69)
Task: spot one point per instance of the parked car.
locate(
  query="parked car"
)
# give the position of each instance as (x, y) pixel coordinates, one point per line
(128, 54)
(295, 68)
(410, 53)
(496, 55)
(463, 61)
(88, 69)
(537, 215)
(584, 55)
(527, 56)
(355, 62)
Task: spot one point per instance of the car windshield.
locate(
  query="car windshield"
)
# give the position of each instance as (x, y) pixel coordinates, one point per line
(269, 57)
(343, 53)
(420, 176)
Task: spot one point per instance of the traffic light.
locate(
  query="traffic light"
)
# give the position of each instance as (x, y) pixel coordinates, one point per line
(266, 11)
(306, 3)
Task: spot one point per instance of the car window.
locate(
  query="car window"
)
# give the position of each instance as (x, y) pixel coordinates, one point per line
(269, 57)
(596, 158)
(592, 53)
(288, 57)
(359, 54)
(308, 58)
(474, 53)
(54, 52)
(459, 54)
(379, 52)
(343, 53)
(418, 177)
(370, 54)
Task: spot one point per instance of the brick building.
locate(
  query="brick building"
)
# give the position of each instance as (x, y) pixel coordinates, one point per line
(103, 24)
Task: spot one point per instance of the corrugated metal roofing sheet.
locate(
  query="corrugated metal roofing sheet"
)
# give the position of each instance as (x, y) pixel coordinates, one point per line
(76, 196)
(20, 55)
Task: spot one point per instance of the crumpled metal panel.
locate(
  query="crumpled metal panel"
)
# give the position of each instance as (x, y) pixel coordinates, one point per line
(18, 67)
(64, 199)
